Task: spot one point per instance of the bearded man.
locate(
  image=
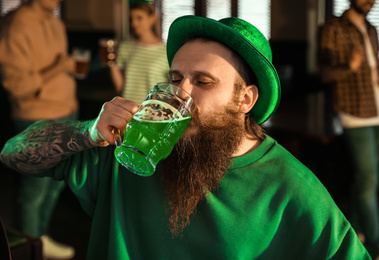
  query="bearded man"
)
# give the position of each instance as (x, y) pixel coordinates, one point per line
(348, 62)
(227, 191)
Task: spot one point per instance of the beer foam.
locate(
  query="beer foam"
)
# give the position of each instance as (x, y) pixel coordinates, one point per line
(158, 122)
(155, 110)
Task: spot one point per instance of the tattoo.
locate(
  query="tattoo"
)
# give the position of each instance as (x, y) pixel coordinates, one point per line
(44, 144)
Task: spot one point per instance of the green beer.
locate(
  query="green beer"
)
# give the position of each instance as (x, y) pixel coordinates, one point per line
(147, 145)
(153, 131)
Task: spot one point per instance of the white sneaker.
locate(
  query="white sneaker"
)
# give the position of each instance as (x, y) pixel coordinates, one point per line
(54, 250)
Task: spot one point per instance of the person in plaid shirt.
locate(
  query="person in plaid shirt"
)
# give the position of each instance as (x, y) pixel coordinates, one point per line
(348, 61)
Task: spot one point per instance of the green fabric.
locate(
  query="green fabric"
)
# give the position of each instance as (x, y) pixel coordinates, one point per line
(245, 39)
(268, 206)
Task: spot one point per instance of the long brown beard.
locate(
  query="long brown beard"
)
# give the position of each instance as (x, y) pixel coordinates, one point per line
(198, 163)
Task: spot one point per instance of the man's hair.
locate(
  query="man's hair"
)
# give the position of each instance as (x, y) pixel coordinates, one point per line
(245, 77)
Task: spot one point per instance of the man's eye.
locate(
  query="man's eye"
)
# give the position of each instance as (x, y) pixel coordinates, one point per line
(204, 83)
(176, 80)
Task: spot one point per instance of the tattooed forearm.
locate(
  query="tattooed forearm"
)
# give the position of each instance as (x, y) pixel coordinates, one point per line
(44, 144)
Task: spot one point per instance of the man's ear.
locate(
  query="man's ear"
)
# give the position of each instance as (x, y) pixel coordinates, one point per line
(249, 98)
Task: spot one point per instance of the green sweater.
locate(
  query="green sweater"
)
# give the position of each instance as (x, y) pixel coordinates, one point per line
(268, 206)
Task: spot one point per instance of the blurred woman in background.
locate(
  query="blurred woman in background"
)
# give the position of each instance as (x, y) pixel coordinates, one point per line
(141, 61)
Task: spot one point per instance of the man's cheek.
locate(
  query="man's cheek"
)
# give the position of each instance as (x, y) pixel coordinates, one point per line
(191, 130)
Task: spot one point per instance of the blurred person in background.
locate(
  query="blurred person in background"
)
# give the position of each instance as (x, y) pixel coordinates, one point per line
(36, 73)
(141, 61)
(348, 61)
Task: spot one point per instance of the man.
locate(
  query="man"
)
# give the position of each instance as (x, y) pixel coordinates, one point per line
(36, 71)
(348, 61)
(227, 191)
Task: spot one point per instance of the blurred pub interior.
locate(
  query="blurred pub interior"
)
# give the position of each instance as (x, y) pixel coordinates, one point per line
(303, 123)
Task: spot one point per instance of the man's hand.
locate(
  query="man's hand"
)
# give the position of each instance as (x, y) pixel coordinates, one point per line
(113, 116)
(62, 64)
(357, 57)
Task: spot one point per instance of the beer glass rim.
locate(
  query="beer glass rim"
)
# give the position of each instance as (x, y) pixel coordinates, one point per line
(106, 40)
(188, 101)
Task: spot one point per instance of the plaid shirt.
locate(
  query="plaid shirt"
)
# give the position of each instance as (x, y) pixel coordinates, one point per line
(352, 91)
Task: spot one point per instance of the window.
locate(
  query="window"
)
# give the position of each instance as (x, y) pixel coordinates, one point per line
(172, 9)
(256, 12)
(9, 5)
(339, 6)
(217, 9)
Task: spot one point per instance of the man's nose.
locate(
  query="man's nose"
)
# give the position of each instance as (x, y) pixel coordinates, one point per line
(186, 85)
(185, 90)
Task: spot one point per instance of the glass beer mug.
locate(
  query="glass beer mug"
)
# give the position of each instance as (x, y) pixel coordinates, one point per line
(153, 131)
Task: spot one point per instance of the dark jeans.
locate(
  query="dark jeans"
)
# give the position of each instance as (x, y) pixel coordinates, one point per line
(38, 196)
(363, 143)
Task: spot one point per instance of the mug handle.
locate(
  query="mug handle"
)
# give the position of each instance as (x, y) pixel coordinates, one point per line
(117, 137)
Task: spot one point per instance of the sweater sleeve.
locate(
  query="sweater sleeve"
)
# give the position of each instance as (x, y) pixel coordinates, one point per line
(299, 216)
(83, 173)
(18, 75)
(122, 54)
(325, 229)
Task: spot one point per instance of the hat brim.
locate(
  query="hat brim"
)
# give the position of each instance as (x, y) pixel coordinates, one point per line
(186, 27)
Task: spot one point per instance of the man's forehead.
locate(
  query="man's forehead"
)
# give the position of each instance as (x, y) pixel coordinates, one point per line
(207, 44)
(203, 56)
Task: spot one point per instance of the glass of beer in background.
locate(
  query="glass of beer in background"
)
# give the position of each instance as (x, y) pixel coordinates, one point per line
(107, 51)
(153, 131)
(82, 59)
